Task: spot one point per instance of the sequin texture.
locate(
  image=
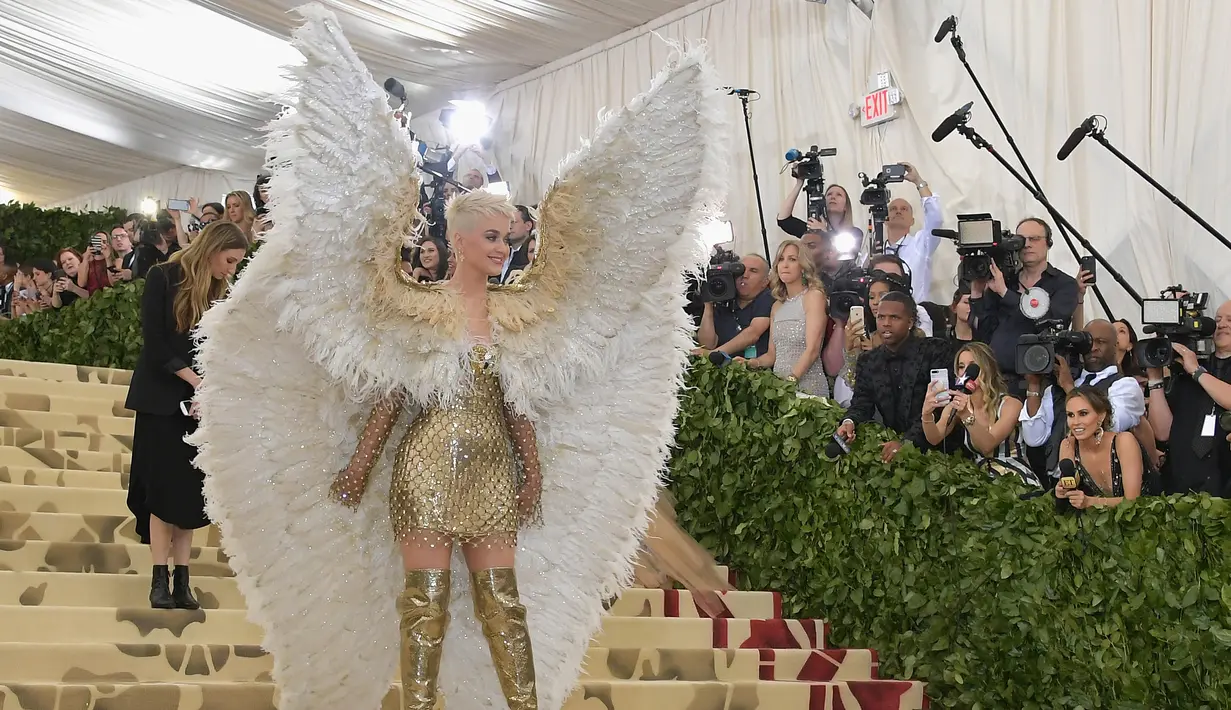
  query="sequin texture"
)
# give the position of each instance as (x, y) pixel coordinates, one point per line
(456, 472)
(789, 331)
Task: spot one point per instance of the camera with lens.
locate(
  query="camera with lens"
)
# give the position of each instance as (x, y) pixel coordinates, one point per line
(724, 269)
(850, 289)
(981, 242)
(807, 167)
(1177, 317)
(875, 195)
(1036, 354)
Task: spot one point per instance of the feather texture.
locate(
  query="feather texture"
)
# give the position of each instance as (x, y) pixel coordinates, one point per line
(592, 352)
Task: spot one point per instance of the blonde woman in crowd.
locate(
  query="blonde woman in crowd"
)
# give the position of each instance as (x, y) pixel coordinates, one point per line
(797, 321)
(241, 212)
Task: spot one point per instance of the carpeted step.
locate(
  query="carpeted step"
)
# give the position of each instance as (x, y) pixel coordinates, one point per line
(48, 499)
(76, 527)
(679, 603)
(63, 478)
(47, 439)
(100, 558)
(64, 458)
(639, 632)
(178, 662)
(59, 372)
(66, 421)
(84, 589)
(140, 624)
(55, 388)
(69, 405)
(698, 664)
(123, 692)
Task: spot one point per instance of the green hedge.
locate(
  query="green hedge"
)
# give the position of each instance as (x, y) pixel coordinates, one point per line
(103, 330)
(28, 231)
(995, 602)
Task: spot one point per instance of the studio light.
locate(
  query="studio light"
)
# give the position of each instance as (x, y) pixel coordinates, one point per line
(466, 121)
(846, 243)
(717, 232)
(149, 207)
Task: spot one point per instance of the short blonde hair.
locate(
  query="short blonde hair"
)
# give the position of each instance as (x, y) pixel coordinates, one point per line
(465, 209)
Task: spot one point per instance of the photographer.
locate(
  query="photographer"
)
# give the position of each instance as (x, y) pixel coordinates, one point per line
(837, 209)
(916, 249)
(996, 302)
(1043, 419)
(1186, 414)
(740, 328)
(156, 246)
(893, 379)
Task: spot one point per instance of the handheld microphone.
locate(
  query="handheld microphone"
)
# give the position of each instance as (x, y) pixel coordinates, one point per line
(1068, 474)
(949, 25)
(719, 358)
(836, 447)
(1076, 137)
(951, 123)
(967, 384)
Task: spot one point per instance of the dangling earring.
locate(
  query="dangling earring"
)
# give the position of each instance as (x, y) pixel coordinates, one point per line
(1098, 436)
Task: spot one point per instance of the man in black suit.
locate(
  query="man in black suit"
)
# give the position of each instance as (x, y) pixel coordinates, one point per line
(893, 379)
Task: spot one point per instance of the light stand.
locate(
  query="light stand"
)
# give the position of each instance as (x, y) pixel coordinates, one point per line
(1099, 135)
(744, 97)
(1062, 225)
(981, 143)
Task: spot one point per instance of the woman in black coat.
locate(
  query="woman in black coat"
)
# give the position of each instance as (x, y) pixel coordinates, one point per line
(165, 489)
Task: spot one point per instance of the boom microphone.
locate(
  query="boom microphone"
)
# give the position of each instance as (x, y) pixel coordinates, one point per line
(948, 125)
(1075, 137)
(395, 88)
(949, 25)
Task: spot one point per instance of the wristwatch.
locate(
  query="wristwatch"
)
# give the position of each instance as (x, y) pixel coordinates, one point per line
(969, 420)
(1197, 373)
(921, 184)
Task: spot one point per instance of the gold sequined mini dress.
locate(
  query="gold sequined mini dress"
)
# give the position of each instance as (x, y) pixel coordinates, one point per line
(456, 470)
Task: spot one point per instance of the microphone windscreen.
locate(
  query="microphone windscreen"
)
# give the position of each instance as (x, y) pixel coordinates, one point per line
(1067, 468)
(719, 358)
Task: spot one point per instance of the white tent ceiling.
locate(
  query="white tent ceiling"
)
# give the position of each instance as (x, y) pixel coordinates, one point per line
(97, 92)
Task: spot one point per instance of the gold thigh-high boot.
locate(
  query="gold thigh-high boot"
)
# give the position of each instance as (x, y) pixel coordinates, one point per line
(503, 617)
(424, 612)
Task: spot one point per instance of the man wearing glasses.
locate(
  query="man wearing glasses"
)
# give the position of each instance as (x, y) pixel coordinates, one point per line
(996, 302)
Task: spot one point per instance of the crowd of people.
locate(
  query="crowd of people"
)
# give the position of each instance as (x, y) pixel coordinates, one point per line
(902, 360)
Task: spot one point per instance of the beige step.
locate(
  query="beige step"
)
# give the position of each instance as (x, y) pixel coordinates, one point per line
(49, 499)
(83, 390)
(84, 589)
(67, 421)
(64, 458)
(140, 624)
(64, 373)
(63, 478)
(75, 527)
(100, 558)
(78, 440)
(176, 662)
(59, 403)
(679, 603)
(641, 632)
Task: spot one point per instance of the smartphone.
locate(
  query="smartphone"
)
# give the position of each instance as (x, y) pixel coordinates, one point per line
(941, 377)
(180, 205)
(58, 274)
(856, 316)
(894, 173)
(1089, 263)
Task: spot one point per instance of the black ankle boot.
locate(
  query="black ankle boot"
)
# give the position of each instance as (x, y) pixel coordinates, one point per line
(182, 593)
(160, 589)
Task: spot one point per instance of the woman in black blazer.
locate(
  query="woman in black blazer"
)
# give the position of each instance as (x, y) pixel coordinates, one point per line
(165, 489)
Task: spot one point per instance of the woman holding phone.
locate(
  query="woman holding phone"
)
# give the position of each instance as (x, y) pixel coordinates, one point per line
(165, 489)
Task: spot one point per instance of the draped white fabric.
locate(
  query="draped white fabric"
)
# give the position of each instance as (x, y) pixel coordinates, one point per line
(1149, 66)
(153, 84)
(178, 183)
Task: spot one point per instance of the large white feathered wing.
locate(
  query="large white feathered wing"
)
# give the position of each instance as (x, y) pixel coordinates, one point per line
(291, 366)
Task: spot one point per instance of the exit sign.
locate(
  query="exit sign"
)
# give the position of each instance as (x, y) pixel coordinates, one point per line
(882, 103)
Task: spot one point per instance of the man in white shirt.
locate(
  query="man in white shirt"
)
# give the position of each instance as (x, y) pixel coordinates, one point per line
(916, 249)
(1038, 417)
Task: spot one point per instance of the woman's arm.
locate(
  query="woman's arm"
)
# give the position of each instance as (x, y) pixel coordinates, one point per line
(525, 444)
(351, 482)
(815, 319)
(986, 435)
(936, 431)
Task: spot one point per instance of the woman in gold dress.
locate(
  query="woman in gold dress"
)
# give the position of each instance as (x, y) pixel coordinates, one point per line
(467, 472)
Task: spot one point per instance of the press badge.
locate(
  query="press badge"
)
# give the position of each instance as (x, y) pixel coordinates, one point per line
(1207, 429)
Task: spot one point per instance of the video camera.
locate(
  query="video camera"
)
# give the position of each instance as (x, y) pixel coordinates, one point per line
(850, 289)
(1036, 354)
(1178, 317)
(981, 242)
(875, 195)
(807, 167)
(719, 285)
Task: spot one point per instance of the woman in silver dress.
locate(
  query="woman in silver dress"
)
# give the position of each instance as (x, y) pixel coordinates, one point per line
(797, 322)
